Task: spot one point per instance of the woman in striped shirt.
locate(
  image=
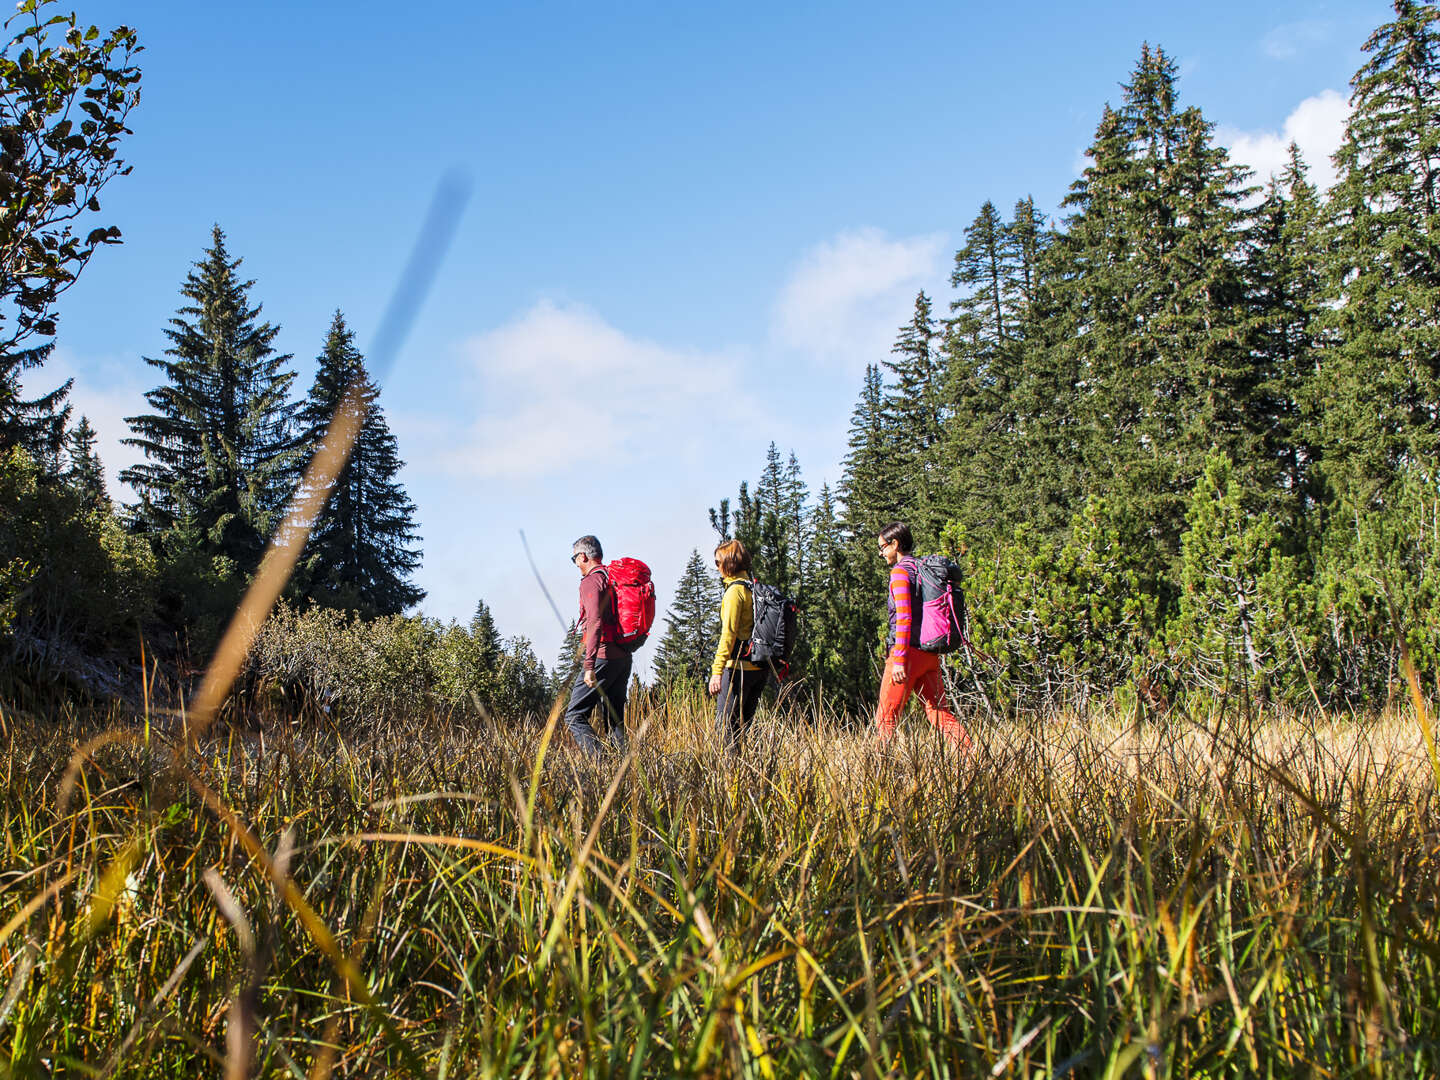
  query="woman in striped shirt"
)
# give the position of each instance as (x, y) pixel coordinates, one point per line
(909, 669)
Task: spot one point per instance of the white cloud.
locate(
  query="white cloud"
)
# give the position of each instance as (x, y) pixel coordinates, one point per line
(847, 298)
(559, 385)
(563, 424)
(1289, 40)
(106, 391)
(1316, 125)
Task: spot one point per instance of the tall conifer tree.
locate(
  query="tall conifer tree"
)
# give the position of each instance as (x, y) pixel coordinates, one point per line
(914, 409)
(1153, 327)
(86, 474)
(36, 425)
(870, 486)
(985, 359)
(1287, 293)
(840, 616)
(1380, 384)
(362, 550)
(219, 446)
(692, 625)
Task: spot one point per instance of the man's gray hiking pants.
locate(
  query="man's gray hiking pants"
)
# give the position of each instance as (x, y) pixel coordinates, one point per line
(612, 683)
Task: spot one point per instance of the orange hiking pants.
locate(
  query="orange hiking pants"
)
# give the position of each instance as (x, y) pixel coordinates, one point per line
(922, 676)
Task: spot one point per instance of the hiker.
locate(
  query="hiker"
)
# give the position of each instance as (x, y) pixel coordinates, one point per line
(909, 669)
(604, 676)
(735, 682)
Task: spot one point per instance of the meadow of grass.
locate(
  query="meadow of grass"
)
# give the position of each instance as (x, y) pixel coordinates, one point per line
(1202, 896)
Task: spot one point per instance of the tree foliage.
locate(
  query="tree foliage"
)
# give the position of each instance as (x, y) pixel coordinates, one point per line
(219, 446)
(361, 551)
(692, 625)
(1184, 440)
(66, 92)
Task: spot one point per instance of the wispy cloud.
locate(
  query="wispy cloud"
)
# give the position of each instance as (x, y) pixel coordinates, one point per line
(1293, 39)
(1316, 125)
(847, 297)
(558, 384)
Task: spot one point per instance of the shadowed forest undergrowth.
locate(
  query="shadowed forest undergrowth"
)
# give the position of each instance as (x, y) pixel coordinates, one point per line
(1186, 898)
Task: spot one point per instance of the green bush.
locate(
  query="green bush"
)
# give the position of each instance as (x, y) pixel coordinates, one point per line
(1246, 618)
(70, 577)
(1063, 622)
(1378, 579)
(397, 664)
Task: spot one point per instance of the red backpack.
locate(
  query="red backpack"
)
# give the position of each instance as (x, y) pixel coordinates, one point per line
(634, 602)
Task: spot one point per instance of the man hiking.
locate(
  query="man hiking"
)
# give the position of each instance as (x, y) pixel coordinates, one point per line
(909, 669)
(604, 676)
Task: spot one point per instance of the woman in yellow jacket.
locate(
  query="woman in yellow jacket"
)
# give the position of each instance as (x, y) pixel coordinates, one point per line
(735, 682)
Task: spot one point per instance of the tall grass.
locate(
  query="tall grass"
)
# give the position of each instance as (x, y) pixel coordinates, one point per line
(1199, 898)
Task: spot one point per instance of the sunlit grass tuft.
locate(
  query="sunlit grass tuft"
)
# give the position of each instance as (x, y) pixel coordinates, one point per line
(1202, 897)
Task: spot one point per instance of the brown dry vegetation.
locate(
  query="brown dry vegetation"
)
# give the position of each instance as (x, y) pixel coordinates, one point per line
(1208, 896)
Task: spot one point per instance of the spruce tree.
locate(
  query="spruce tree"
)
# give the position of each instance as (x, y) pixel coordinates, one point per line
(362, 550)
(914, 414)
(795, 506)
(985, 357)
(1380, 383)
(484, 630)
(871, 490)
(692, 626)
(85, 473)
(1287, 294)
(1153, 328)
(772, 553)
(872, 483)
(1025, 240)
(568, 663)
(1243, 611)
(219, 446)
(982, 269)
(36, 425)
(840, 615)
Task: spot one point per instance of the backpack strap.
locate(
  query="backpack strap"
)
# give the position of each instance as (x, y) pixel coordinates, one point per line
(609, 627)
(911, 566)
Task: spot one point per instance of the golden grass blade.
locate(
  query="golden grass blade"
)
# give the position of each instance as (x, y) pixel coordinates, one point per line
(1422, 714)
(34, 904)
(29, 953)
(173, 982)
(582, 857)
(463, 842)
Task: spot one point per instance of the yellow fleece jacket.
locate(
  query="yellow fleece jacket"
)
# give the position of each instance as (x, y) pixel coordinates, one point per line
(737, 622)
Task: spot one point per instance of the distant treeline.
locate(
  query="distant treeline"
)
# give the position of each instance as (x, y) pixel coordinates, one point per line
(1185, 440)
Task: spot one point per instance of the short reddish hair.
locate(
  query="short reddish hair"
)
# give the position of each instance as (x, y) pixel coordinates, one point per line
(732, 558)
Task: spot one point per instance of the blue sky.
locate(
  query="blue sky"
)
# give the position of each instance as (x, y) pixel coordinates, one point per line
(689, 230)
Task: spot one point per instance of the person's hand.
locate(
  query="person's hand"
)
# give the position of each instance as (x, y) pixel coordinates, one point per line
(714, 685)
(897, 673)
(590, 679)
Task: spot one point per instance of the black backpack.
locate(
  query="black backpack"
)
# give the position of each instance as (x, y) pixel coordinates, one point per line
(773, 637)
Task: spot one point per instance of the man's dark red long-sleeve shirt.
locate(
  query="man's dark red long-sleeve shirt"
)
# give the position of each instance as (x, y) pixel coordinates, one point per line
(597, 613)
